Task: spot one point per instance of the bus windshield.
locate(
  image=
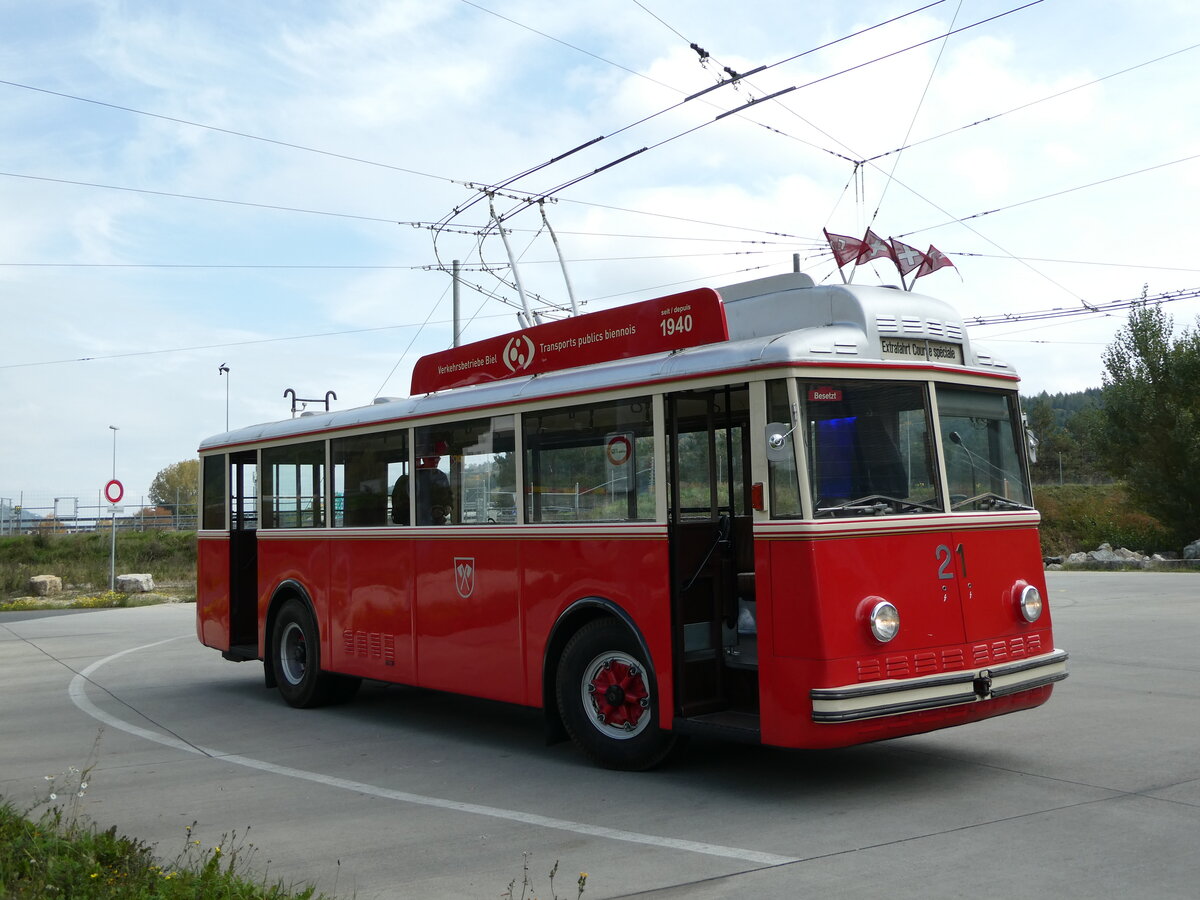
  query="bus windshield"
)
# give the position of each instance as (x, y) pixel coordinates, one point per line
(869, 448)
(985, 461)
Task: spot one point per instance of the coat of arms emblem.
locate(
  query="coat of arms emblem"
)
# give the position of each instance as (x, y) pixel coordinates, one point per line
(464, 575)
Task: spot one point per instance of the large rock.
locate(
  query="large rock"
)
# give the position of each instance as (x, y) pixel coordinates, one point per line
(135, 584)
(1192, 550)
(45, 585)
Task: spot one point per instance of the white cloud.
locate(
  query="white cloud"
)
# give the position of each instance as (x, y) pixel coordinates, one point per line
(446, 89)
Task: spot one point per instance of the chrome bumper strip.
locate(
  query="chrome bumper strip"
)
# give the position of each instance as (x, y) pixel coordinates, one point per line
(851, 703)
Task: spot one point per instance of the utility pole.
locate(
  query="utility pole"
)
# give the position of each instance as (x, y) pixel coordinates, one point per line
(457, 324)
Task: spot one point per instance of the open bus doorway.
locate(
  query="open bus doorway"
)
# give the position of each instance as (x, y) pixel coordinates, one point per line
(243, 555)
(712, 554)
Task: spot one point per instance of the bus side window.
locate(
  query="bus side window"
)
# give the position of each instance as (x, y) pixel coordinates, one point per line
(214, 495)
(466, 473)
(591, 463)
(293, 486)
(784, 479)
(365, 467)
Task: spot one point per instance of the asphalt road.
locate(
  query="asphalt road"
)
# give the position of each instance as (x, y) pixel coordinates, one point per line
(412, 794)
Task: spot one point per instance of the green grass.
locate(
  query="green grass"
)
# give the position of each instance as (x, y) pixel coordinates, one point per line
(83, 559)
(1081, 517)
(56, 855)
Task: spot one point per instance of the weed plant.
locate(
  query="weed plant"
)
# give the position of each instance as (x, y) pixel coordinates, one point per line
(528, 891)
(58, 853)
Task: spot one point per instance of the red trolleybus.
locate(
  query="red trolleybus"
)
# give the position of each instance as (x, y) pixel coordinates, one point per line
(778, 512)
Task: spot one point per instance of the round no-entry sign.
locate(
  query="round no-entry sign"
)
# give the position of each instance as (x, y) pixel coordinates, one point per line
(114, 491)
(619, 450)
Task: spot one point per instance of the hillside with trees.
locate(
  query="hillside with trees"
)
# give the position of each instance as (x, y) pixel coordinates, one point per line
(1069, 431)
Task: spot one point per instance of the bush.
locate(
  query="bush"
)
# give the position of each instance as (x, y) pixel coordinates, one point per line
(1080, 517)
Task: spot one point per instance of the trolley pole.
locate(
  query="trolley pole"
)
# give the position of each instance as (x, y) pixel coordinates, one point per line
(112, 558)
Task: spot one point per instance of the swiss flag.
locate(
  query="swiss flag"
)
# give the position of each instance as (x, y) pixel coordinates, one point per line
(877, 248)
(934, 259)
(907, 258)
(845, 249)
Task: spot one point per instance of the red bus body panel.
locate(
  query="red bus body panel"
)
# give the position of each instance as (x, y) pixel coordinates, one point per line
(212, 590)
(823, 581)
(389, 607)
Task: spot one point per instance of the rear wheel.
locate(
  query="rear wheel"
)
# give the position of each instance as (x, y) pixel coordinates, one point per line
(607, 698)
(296, 661)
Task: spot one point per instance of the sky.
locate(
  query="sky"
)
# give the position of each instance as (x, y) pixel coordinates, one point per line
(277, 188)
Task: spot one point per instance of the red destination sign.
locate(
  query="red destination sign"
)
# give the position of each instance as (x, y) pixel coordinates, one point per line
(652, 326)
(824, 395)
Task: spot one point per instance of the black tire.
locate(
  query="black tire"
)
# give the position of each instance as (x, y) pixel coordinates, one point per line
(296, 661)
(617, 726)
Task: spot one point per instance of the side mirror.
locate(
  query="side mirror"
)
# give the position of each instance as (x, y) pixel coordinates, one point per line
(779, 441)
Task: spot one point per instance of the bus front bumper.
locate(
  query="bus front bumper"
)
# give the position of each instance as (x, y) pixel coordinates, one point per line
(876, 699)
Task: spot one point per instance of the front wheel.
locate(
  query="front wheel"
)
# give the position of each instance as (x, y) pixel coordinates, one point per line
(296, 660)
(607, 699)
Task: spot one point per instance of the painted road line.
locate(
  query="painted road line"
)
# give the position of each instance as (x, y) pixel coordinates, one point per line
(78, 694)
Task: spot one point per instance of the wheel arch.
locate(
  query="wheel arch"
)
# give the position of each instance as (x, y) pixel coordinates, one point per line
(574, 617)
(286, 590)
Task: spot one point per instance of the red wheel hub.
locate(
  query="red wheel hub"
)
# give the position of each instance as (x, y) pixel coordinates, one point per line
(619, 692)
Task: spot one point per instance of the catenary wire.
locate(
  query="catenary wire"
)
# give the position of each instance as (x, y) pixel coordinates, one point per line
(1051, 195)
(1023, 106)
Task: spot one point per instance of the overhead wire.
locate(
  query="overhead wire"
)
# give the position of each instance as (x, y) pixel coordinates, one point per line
(197, 197)
(1098, 309)
(550, 193)
(1080, 262)
(413, 267)
(229, 131)
(1051, 195)
(455, 181)
(916, 112)
(734, 77)
(217, 346)
(1032, 103)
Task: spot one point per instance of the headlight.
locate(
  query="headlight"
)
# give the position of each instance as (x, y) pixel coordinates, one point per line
(1030, 603)
(885, 621)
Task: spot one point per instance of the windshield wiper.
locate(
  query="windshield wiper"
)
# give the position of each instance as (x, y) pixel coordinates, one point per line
(990, 500)
(878, 505)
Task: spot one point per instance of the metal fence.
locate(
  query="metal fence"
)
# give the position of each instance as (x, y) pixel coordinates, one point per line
(46, 514)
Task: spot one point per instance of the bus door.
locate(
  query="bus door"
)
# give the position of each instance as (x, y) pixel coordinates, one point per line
(711, 545)
(243, 555)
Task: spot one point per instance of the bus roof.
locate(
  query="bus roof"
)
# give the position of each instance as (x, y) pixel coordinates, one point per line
(778, 320)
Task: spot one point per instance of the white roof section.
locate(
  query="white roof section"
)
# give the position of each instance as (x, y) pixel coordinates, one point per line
(779, 319)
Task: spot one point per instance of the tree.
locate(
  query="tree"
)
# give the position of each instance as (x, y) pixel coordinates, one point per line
(1069, 437)
(176, 486)
(1151, 422)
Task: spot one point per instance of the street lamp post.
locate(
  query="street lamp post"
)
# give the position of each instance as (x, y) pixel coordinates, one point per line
(224, 370)
(112, 559)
